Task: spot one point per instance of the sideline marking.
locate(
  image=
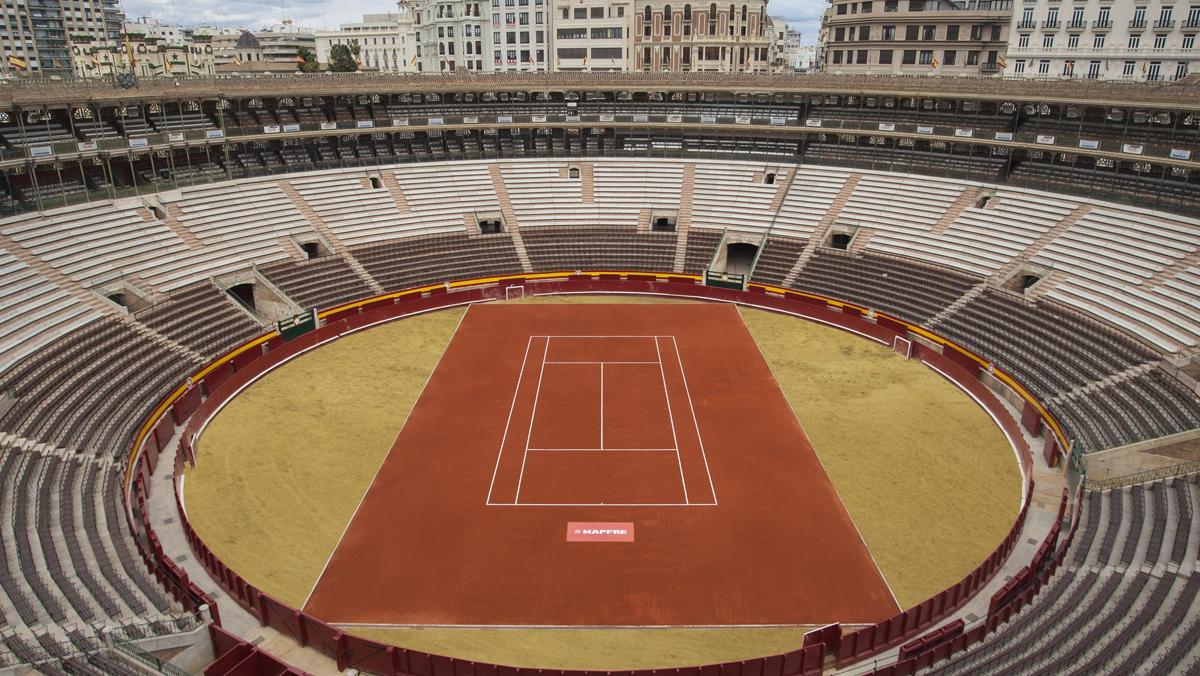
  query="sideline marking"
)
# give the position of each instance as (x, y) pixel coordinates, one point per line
(383, 462)
(671, 416)
(532, 414)
(696, 423)
(513, 405)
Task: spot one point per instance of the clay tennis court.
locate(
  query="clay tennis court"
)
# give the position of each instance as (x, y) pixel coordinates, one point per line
(660, 423)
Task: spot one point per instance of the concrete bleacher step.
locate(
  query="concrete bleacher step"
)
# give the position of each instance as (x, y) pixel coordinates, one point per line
(971, 294)
(965, 199)
(822, 229)
(683, 219)
(1105, 381)
(512, 226)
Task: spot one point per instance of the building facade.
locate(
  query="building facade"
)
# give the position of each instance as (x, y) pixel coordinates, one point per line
(592, 35)
(450, 35)
(152, 57)
(35, 35)
(1105, 39)
(672, 37)
(917, 37)
(386, 42)
(785, 47)
(520, 35)
(263, 51)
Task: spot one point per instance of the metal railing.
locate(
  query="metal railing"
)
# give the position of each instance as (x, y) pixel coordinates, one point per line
(1146, 476)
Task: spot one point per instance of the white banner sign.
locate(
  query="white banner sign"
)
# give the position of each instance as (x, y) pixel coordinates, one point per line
(214, 133)
(45, 151)
(1045, 140)
(964, 133)
(138, 142)
(470, 119)
(1088, 144)
(1004, 136)
(329, 125)
(812, 123)
(271, 129)
(924, 130)
(85, 146)
(175, 136)
(369, 124)
(1180, 154)
(1132, 148)
(291, 127)
(887, 126)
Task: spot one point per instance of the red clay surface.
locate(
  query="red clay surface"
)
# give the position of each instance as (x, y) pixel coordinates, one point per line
(663, 416)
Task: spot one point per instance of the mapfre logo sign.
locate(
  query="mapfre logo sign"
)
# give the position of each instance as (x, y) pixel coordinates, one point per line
(599, 531)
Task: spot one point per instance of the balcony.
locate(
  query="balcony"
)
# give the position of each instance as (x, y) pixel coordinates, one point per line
(1077, 24)
(1137, 25)
(990, 67)
(1027, 24)
(1168, 24)
(1192, 23)
(1051, 25)
(1104, 24)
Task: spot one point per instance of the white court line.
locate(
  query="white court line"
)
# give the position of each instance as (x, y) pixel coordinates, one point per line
(599, 450)
(671, 417)
(599, 362)
(604, 504)
(383, 462)
(532, 414)
(601, 405)
(696, 423)
(513, 405)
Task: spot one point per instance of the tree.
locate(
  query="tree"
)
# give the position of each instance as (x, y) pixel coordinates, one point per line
(344, 58)
(309, 65)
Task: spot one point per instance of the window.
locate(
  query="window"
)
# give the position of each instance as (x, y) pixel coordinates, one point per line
(1160, 41)
(949, 57)
(1165, 16)
(1019, 68)
(928, 32)
(926, 57)
(839, 34)
(862, 56)
(1139, 16)
(1181, 70)
(580, 13)
(866, 8)
(610, 53)
(1073, 41)
(864, 35)
(952, 32)
(1128, 68)
(1043, 67)
(837, 56)
(1193, 18)
(910, 32)
(995, 33)
(885, 56)
(1048, 41)
(889, 33)
(1023, 40)
(1135, 41)
(1104, 17)
(976, 33)
(1068, 69)
(841, 9)
(1093, 70)
(1155, 71)
(973, 58)
(909, 58)
(1189, 42)
(891, 5)
(597, 12)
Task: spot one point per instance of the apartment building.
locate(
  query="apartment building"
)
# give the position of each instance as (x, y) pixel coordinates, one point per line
(259, 52)
(916, 37)
(1105, 39)
(592, 35)
(450, 35)
(385, 42)
(520, 34)
(786, 49)
(35, 35)
(670, 36)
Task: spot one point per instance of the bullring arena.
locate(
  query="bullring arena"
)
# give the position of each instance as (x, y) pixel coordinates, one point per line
(561, 377)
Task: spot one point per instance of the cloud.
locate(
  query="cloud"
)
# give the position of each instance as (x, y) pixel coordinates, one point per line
(802, 15)
(256, 14)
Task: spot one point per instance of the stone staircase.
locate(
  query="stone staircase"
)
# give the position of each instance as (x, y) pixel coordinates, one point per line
(781, 190)
(958, 303)
(171, 220)
(1042, 242)
(388, 178)
(966, 199)
(1107, 381)
(331, 238)
(683, 219)
(52, 274)
(511, 225)
(822, 230)
(643, 222)
(586, 183)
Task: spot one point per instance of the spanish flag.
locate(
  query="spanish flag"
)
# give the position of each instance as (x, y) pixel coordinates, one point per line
(299, 59)
(414, 59)
(129, 51)
(17, 62)
(1002, 63)
(933, 63)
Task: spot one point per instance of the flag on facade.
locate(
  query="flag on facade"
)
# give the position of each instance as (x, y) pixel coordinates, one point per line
(17, 62)
(1000, 60)
(933, 63)
(129, 51)
(299, 59)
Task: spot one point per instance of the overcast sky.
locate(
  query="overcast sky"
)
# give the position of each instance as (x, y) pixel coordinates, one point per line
(803, 15)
